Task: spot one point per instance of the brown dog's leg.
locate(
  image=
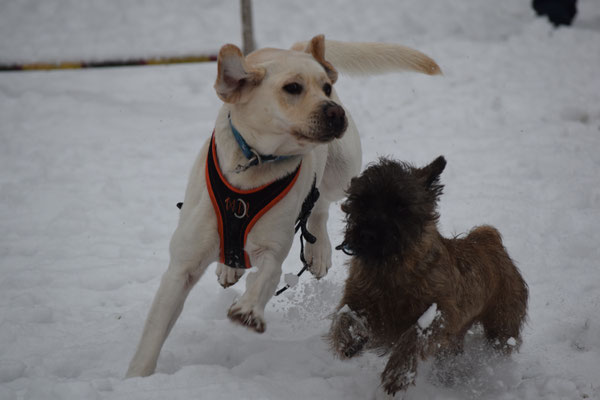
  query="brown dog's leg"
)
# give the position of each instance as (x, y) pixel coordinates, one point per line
(505, 312)
(348, 334)
(503, 321)
(416, 342)
(401, 369)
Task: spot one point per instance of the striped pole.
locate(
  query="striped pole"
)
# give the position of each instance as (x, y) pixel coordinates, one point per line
(38, 66)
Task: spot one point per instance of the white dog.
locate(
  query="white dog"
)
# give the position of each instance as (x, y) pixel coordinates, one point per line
(282, 128)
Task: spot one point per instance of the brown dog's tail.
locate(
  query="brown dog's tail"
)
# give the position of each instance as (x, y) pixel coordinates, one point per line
(354, 58)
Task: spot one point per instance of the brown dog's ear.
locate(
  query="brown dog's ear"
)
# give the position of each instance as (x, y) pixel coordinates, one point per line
(234, 77)
(432, 172)
(316, 47)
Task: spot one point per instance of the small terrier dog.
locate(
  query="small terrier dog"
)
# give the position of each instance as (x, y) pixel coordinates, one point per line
(411, 292)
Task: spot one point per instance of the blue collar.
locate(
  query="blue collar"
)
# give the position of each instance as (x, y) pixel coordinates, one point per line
(251, 154)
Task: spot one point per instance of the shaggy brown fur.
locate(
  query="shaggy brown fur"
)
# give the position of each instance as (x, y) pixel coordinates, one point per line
(401, 266)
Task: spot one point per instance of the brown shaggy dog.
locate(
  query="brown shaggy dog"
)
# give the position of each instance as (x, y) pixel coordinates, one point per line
(411, 292)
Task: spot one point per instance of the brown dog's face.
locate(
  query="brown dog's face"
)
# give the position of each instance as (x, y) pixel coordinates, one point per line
(388, 208)
(282, 99)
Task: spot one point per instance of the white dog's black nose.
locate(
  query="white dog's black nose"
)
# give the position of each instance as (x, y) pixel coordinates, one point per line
(336, 118)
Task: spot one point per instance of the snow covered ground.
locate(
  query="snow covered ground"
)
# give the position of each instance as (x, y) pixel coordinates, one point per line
(92, 163)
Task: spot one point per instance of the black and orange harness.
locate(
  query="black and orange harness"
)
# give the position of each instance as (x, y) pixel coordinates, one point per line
(238, 210)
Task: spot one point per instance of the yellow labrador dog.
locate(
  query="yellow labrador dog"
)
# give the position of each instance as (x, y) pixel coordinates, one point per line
(282, 129)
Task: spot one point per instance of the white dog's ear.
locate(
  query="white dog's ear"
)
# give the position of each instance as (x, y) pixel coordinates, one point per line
(234, 77)
(316, 47)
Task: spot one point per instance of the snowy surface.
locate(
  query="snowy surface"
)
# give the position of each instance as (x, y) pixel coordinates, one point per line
(92, 163)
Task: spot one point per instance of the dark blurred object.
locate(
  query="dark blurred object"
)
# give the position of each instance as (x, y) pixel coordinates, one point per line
(559, 12)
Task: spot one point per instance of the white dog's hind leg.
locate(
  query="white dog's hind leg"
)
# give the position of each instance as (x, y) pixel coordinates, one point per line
(318, 254)
(174, 287)
(260, 286)
(228, 276)
(191, 252)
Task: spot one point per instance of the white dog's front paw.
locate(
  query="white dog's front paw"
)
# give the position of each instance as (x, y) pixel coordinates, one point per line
(228, 276)
(318, 256)
(251, 318)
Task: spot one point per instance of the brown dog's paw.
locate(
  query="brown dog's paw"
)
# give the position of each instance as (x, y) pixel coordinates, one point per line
(353, 348)
(400, 372)
(228, 276)
(396, 380)
(248, 318)
(348, 334)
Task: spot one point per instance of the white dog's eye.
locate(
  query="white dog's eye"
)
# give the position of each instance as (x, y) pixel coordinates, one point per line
(293, 88)
(327, 89)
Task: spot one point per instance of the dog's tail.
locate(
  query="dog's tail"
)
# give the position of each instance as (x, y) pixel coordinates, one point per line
(355, 58)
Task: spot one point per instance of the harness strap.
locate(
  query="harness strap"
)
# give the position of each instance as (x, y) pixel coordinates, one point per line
(307, 206)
